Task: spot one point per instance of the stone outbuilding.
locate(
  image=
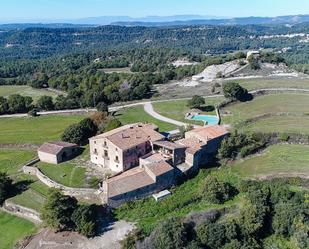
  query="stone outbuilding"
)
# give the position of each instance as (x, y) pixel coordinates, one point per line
(57, 152)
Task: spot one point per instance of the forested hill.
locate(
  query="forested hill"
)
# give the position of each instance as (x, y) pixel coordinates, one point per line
(44, 42)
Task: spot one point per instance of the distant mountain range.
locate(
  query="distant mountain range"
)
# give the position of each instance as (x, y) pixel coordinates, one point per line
(158, 21)
(225, 21)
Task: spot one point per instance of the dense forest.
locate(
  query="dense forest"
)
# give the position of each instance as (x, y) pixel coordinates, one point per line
(73, 59)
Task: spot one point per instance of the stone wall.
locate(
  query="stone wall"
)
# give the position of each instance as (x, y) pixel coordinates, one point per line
(84, 193)
(21, 211)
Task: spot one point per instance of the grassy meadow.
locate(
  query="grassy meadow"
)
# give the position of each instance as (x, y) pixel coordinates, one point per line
(12, 229)
(35, 130)
(137, 114)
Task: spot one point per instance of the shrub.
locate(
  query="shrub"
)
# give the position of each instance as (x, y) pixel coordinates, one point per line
(57, 211)
(196, 102)
(211, 235)
(170, 234)
(73, 134)
(45, 103)
(284, 137)
(233, 90)
(215, 191)
(5, 187)
(102, 107)
(84, 219)
(112, 124)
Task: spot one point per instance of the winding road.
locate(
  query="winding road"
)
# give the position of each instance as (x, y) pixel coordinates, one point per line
(149, 108)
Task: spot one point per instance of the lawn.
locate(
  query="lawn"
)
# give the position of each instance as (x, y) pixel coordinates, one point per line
(147, 213)
(11, 160)
(282, 124)
(67, 174)
(177, 109)
(6, 91)
(137, 114)
(294, 104)
(252, 84)
(36, 130)
(13, 229)
(286, 159)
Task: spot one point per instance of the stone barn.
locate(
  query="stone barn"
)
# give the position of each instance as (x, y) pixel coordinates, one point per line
(57, 152)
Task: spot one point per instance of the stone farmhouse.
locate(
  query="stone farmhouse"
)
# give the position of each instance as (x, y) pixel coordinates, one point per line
(145, 162)
(56, 152)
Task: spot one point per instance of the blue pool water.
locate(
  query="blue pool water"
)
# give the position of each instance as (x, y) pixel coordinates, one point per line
(211, 120)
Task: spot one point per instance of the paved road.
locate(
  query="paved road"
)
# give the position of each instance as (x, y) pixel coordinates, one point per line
(116, 108)
(149, 109)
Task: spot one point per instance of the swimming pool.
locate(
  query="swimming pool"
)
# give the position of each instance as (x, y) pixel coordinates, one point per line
(207, 119)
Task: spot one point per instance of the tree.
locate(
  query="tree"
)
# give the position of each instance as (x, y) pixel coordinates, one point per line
(5, 187)
(19, 104)
(215, 191)
(170, 234)
(112, 124)
(84, 219)
(4, 107)
(73, 134)
(57, 211)
(233, 90)
(196, 102)
(211, 234)
(88, 127)
(102, 107)
(45, 103)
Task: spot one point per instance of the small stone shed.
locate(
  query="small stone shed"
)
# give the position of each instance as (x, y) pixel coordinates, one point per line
(57, 152)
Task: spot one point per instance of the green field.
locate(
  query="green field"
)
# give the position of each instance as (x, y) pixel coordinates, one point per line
(275, 104)
(11, 160)
(285, 159)
(67, 174)
(6, 91)
(282, 124)
(253, 84)
(12, 229)
(177, 109)
(36, 130)
(137, 114)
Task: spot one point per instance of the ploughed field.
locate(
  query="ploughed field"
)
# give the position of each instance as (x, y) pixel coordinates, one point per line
(270, 113)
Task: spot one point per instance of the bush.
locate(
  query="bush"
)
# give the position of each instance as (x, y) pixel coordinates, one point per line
(5, 187)
(57, 211)
(102, 107)
(73, 134)
(284, 137)
(33, 113)
(216, 192)
(84, 219)
(112, 124)
(170, 234)
(45, 103)
(196, 102)
(233, 90)
(211, 235)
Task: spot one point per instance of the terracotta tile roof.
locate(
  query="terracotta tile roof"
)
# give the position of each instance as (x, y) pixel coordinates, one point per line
(128, 181)
(155, 157)
(55, 147)
(130, 136)
(193, 144)
(159, 168)
(168, 145)
(210, 132)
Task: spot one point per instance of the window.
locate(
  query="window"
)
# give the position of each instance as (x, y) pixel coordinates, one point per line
(105, 153)
(95, 142)
(95, 151)
(105, 144)
(117, 159)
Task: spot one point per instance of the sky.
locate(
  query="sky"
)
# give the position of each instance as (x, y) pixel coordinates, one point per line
(17, 10)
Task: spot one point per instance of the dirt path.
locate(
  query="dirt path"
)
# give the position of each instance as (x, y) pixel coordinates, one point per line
(109, 239)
